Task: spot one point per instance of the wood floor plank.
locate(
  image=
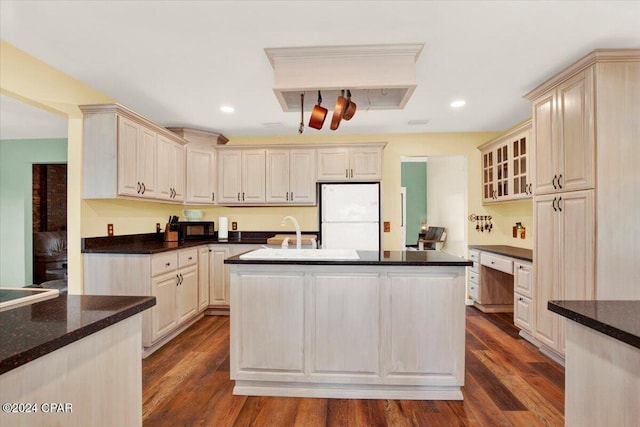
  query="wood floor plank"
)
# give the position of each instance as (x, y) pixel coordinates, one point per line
(508, 382)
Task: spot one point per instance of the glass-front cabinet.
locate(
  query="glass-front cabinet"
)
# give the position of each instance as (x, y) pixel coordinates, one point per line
(505, 166)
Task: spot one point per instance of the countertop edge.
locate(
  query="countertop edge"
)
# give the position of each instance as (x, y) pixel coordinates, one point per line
(349, 262)
(31, 354)
(488, 248)
(597, 325)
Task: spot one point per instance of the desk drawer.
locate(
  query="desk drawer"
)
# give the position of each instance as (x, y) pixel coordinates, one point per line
(497, 263)
(474, 291)
(475, 267)
(474, 277)
(163, 263)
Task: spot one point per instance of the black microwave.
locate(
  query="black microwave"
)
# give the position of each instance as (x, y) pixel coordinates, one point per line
(195, 230)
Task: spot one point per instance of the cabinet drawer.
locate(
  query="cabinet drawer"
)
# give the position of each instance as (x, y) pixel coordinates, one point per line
(474, 291)
(475, 267)
(474, 277)
(187, 257)
(164, 262)
(523, 312)
(497, 263)
(474, 255)
(522, 279)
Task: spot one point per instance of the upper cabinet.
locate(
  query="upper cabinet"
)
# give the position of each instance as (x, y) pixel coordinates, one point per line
(565, 137)
(126, 155)
(291, 176)
(505, 166)
(201, 174)
(241, 176)
(171, 173)
(350, 163)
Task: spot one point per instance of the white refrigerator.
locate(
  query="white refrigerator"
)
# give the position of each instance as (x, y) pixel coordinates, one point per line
(350, 216)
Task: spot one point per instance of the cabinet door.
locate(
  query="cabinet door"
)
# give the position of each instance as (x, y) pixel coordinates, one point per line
(577, 257)
(488, 176)
(218, 276)
(277, 175)
(201, 175)
(365, 163)
(147, 162)
(502, 172)
(164, 313)
(302, 177)
(178, 174)
(187, 296)
(128, 179)
(520, 175)
(333, 164)
(576, 118)
(253, 176)
(523, 312)
(203, 278)
(229, 176)
(546, 151)
(546, 254)
(522, 280)
(166, 168)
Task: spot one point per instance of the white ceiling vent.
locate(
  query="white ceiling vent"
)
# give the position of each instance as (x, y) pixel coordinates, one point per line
(380, 77)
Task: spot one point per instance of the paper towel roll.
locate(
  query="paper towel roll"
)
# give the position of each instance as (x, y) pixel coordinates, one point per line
(223, 227)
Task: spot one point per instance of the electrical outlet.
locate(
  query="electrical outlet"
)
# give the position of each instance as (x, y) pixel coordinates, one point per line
(387, 226)
(109, 229)
(234, 226)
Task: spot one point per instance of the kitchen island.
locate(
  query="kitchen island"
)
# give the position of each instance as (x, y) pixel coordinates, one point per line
(73, 360)
(387, 325)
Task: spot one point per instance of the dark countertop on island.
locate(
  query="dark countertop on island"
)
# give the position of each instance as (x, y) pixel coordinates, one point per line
(510, 251)
(384, 258)
(617, 319)
(32, 331)
(151, 243)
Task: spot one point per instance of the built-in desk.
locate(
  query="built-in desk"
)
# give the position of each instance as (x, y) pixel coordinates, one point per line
(500, 281)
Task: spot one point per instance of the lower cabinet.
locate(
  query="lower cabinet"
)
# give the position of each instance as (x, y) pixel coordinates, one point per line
(219, 295)
(172, 277)
(203, 278)
(523, 308)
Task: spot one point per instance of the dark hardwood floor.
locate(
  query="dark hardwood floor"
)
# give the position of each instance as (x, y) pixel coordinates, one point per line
(507, 383)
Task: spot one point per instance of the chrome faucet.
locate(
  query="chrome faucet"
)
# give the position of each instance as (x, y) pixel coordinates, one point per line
(297, 226)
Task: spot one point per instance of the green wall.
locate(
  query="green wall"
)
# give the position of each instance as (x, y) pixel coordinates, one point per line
(16, 159)
(414, 179)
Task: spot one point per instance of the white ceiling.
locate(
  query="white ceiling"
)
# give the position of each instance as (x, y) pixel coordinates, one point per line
(177, 62)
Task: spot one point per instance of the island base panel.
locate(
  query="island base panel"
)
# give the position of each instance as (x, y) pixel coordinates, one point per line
(341, 391)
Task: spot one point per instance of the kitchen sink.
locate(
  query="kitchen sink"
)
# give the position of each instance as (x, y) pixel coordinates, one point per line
(302, 254)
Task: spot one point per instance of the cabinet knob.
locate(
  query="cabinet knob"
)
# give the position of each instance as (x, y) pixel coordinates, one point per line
(167, 264)
(190, 258)
(520, 299)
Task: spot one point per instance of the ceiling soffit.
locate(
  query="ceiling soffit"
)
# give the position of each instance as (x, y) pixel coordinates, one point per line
(380, 77)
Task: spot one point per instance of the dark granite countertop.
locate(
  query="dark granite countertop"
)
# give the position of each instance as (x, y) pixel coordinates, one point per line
(384, 258)
(152, 243)
(32, 331)
(510, 251)
(617, 319)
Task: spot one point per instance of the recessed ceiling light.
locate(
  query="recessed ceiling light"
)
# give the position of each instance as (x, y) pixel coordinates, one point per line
(227, 109)
(459, 103)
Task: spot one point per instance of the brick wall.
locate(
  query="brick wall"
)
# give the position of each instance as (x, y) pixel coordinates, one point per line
(49, 197)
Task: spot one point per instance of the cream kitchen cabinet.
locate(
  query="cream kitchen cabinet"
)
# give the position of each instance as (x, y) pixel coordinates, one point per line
(171, 170)
(505, 166)
(137, 159)
(241, 176)
(291, 176)
(523, 308)
(564, 258)
(352, 162)
(201, 174)
(172, 277)
(203, 278)
(126, 155)
(219, 293)
(565, 136)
